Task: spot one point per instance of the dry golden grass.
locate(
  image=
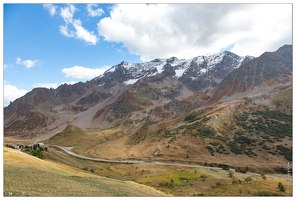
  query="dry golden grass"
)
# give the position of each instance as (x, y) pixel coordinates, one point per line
(157, 175)
(18, 140)
(25, 175)
(113, 144)
(284, 101)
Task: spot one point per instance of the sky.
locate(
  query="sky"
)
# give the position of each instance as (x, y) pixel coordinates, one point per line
(46, 45)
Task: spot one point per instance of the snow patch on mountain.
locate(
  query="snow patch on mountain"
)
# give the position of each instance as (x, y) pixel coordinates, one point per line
(214, 59)
(131, 81)
(180, 72)
(160, 67)
(197, 66)
(203, 71)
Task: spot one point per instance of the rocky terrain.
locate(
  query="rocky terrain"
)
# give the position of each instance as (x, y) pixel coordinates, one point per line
(121, 90)
(205, 109)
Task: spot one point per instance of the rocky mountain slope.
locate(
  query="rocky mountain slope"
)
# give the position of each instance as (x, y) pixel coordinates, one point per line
(260, 75)
(121, 90)
(216, 109)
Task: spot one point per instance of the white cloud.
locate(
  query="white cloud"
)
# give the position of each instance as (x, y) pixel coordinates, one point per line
(81, 72)
(187, 30)
(18, 61)
(73, 27)
(11, 93)
(94, 13)
(67, 13)
(70, 83)
(51, 8)
(46, 85)
(64, 30)
(27, 63)
(83, 34)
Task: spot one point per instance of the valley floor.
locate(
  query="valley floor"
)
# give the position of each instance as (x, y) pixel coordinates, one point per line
(63, 175)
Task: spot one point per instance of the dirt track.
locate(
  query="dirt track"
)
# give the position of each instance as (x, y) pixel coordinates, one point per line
(146, 162)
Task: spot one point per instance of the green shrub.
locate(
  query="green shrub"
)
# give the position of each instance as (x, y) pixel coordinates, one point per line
(281, 187)
(207, 131)
(236, 182)
(263, 176)
(280, 170)
(85, 168)
(240, 170)
(189, 117)
(210, 149)
(286, 152)
(234, 148)
(266, 147)
(224, 166)
(38, 153)
(214, 143)
(203, 177)
(218, 185)
(248, 179)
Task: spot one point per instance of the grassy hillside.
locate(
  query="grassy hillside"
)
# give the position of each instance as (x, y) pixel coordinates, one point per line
(283, 101)
(182, 181)
(82, 141)
(25, 175)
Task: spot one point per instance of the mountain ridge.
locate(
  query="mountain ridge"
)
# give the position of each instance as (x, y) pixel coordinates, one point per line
(189, 75)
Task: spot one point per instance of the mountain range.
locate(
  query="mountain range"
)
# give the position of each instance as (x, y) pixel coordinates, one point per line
(216, 99)
(158, 82)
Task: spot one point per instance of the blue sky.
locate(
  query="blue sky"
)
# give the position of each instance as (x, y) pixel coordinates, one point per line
(46, 45)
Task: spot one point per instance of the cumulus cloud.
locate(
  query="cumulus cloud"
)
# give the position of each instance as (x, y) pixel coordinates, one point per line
(64, 30)
(27, 63)
(46, 85)
(187, 30)
(69, 83)
(83, 34)
(94, 13)
(51, 8)
(73, 27)
(67, 13)
(11, 93)
(81, 72)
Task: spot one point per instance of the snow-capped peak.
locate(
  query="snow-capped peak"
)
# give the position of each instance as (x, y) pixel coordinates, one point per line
(200, 65)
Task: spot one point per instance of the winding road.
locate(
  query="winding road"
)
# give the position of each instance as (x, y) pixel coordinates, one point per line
(65, 149)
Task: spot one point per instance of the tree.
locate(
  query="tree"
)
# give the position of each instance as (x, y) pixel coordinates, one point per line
(281, 187)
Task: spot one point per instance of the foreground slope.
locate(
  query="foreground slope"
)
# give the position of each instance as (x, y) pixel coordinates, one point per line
(25, 175)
